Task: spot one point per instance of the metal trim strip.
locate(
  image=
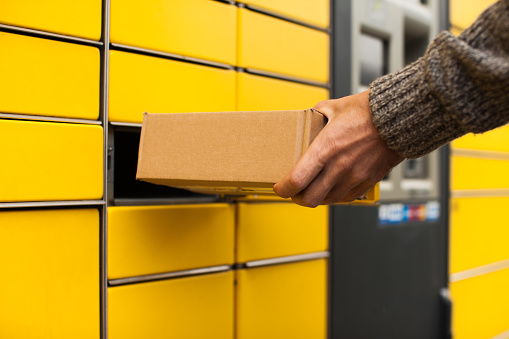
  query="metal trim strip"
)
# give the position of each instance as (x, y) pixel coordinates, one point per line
(270, 13)
(504, 335)
(481, 193)
(13, 116)
(170, 56)
(125, 124)
(287, 259)
(470, 153)
(105, 57)
(39, 204)
(478, 271)
(49, 35)
(165, 201)
(285, 77)
(169, 275)
(228, 2)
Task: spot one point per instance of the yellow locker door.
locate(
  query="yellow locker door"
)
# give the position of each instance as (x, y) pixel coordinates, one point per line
(140, 83)
(50, 161)
(314, 12)
(273, 230)
(80, 18)
(199, 28)
(282, 301)
(496, 140)
(479, 232)
(154, 239)
(481, 306)
(478, 173)
(193, 307)
(258, 93)
(279, 46)
(49, 276)
(50, 78)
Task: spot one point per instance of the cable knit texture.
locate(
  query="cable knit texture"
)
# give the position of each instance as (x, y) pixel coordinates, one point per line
(460, 85)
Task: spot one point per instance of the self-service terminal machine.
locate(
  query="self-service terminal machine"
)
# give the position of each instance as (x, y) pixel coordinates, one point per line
(389, 263)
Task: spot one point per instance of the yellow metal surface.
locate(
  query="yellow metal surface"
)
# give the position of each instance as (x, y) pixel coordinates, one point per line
(153, 239)
(464, 12)
(140, 83)
(257, 93)
(478, 225)
(282, 301)
(274, 45)
(475, 173)
(49, 276)
(199, 28)
(80, 18)
(194, 307)
(481, 306)
(50, 161)
(479, 232)
(45, 77)
(496, 140)
(372, 197)
(315, 12)
(455, 31)
(269, 230)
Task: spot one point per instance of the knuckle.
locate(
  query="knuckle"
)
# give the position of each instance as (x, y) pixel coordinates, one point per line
(358, 176)
(297, 181)
(329, 149)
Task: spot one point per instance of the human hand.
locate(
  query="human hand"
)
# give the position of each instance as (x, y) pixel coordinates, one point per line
(345, 160)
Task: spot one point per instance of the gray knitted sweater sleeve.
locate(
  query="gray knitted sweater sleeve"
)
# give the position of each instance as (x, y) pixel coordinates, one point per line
(460, 85)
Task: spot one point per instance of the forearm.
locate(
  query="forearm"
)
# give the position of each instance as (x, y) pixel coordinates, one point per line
(459, 86)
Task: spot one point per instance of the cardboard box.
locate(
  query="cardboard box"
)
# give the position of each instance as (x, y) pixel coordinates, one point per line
(236, 153)
(224, 152)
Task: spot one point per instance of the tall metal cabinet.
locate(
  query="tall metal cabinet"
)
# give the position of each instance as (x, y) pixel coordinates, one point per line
(389, 264)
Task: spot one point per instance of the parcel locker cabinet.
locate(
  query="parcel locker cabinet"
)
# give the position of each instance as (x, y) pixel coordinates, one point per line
(79, 18)
(198, 28)
(49, 276)
(479, 232)
(271, 230)
(50, 78)
(278, 46)
(192, 307)
(282, 301)
(311, 12)
(481, 306)
(146, 240)
(258, 93)
(50, 161)
(140, 83)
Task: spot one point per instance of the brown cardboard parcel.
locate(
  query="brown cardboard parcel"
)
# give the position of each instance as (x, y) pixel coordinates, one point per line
(224, 152)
